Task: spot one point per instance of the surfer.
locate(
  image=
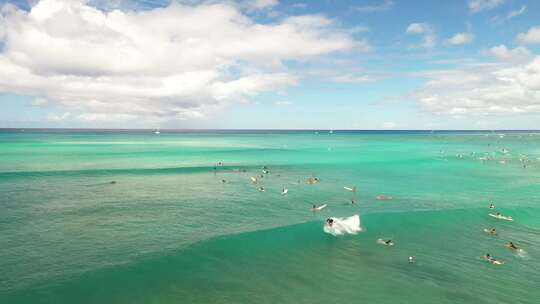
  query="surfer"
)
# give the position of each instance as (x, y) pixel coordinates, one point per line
(512, 246)
(491, 259)
(491, 205)
(261, 189)
(329, 221)
(318, 208)
(492, 231)
(223, 181)
(385, 242)
(412, 260)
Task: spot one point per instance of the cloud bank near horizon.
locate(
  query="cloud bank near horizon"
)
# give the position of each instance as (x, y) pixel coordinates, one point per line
(173, 63)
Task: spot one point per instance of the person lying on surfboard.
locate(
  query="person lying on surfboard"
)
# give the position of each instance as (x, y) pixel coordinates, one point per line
(512, 246)
(491, 259)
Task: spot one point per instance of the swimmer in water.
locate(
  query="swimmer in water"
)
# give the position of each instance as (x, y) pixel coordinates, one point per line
(492, 231)
(389, 242)
(491, 205)
(112, 182)
(329, 221)
(261, 189)
(223, 181)
(491, 259)
(412, 260)
(512, 246)
(353, 202)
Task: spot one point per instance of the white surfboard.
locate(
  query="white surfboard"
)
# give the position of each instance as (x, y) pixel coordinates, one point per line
(349, 189)
(285, 191)
(319, 208)
(502, 217)
(382, 242)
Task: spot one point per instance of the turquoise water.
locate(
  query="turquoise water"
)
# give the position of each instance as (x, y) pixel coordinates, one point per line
(169, 231)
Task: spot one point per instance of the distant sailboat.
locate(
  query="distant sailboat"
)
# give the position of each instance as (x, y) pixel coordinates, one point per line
(157, 132)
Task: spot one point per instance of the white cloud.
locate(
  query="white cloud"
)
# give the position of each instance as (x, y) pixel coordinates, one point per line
(483, 89)
(516, 13)
(172, 63)
(460, 38)
(502, 53)
(261, 4)
(384, 6)
(476, 6)
(430, 39)
(418, 28)
(389, 125)
(39, 101)
(299, 5)
(58, 117)
(282, 103)
(531, 37)
(350, 78)
(358, 29)
(102, 117)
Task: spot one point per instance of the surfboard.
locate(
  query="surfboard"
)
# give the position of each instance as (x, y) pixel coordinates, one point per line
(348, 189)
(382, 242)
(489, 232)
(502, 217)
(321, 207)
(285, 191)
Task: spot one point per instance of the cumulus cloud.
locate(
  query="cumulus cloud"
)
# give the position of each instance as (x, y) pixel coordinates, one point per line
(418, 28)
(350, 78)
(430, 39)
(530, 37)
(476, 6)
(384, 6)
(483, 89)
(171, 63)
(261, 4)
(389, 125)
(39, 101)
(502, 53)
(516, 13)
(460, 38)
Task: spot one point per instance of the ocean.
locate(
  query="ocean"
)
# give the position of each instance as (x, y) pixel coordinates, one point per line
(129, 216)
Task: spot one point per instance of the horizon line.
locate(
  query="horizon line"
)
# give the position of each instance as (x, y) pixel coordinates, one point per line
(269, 129)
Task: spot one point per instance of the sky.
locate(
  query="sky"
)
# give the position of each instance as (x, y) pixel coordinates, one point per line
(270, 64)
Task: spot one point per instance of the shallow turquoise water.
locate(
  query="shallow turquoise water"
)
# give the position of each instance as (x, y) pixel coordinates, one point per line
(169, 231)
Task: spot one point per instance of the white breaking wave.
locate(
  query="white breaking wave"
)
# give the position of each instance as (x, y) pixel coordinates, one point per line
(344, 225)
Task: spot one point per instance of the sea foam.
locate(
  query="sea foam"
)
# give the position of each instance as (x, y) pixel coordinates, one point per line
(345, 225)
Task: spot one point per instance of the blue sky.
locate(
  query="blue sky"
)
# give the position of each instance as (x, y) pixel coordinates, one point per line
(381, 64)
